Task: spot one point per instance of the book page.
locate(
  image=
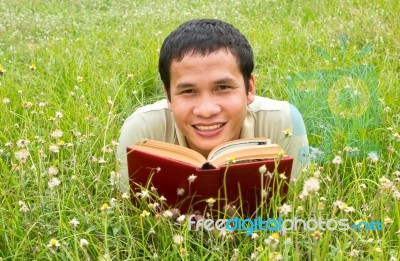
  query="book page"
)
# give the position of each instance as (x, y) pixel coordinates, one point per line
(237, 145)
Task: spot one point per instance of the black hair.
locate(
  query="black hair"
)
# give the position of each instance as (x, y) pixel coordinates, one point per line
(204, 36)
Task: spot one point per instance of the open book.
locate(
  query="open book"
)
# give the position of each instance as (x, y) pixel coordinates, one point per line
(230, 174)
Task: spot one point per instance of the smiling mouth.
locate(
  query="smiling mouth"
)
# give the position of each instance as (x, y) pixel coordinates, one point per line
(208, 128)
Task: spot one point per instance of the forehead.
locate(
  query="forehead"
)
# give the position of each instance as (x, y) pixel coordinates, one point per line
(194, 60)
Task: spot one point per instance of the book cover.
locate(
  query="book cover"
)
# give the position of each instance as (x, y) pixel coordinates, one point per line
(190, 188)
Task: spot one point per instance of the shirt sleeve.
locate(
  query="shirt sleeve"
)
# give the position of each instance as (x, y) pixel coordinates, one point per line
(141, 125)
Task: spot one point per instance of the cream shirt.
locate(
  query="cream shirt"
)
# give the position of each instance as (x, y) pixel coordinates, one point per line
(265, 118)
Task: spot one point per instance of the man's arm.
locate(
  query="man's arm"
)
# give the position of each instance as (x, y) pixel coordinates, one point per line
(152, 121)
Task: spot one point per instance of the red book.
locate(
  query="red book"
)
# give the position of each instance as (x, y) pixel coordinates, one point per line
(231, 175)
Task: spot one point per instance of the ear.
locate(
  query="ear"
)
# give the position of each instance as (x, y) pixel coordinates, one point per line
(166, 96)
(252, 90)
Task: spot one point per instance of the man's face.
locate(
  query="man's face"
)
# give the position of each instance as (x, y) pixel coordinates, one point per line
(208, 99)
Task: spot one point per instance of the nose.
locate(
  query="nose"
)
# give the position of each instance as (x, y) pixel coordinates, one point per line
(206, 107)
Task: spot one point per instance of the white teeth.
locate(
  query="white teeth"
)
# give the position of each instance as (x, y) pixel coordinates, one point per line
(208, 128)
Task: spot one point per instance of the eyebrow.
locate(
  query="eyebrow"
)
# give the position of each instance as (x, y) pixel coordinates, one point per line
(225, 80)
(183, 85)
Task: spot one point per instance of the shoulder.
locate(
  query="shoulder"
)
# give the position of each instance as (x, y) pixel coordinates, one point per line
(268, 112)
(266, 104)
(157, 108)
(149, 120)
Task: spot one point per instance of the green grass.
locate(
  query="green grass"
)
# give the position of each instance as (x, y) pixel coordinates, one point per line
(103, 42)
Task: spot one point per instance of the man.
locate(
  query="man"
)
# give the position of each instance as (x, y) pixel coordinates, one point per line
(206, 67)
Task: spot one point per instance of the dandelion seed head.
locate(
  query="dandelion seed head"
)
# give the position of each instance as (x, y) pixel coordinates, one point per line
(337, 160)
(178, 239)
(83, 243)
(54, 148)
(53, 183)
(21, 155)
(311, 185)
(56, 134)
(53, 170)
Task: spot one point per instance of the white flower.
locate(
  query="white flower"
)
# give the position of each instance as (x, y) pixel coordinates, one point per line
(59, 115)
(167, 214)
(53, 243)
(102, 160)
(354, 253)
(181, 218)
(113, 202)
(54, 182)
(254, 235)
(22, 143)
(145, 213)
(210, 202)
(387, 221)
(6, 100)
(180, 191)
(287, 132)
(262, 169)
(22, 155)
(373, 156)
(396, 195)
(272, 241)
(125, 195)
(285, 209)
(192, 178)
(143, 194)
(343, 206)
(275, 256)
(178, 239)
(113, 177)
(56, 134)
(53, 171)
(337, 160)
(74, 223)
(311, 185)
(83, 242)
(23, 206)
(54, 148)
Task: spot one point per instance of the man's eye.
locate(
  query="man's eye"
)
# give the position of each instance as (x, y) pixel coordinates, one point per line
(223, 87)
(188, 91)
